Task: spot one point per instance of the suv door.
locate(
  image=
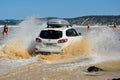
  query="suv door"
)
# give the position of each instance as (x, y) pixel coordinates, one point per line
(72, 35)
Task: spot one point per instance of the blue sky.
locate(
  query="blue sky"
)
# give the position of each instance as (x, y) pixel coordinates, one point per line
(21, 9)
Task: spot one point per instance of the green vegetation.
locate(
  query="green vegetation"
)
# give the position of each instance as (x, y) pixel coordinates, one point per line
(93, 20)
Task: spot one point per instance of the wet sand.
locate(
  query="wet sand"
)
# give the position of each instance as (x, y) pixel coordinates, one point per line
(37, 71)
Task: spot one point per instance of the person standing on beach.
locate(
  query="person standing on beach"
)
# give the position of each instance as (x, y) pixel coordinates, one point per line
(5, 31)
(114, 25)
(88, 26)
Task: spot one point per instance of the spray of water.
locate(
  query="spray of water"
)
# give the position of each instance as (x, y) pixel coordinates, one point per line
(105, 43)
(21, 40)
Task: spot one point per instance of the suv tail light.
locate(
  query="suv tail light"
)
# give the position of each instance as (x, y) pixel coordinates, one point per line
(38, 40)
(62, 40)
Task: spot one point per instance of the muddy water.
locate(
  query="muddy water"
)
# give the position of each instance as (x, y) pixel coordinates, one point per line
(68, 71)
(15, 50)
(77, 50)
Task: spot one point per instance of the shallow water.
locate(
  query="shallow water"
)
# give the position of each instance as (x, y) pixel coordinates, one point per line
(99, 47)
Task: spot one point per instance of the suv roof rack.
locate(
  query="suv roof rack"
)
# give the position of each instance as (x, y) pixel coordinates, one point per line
(58, 22)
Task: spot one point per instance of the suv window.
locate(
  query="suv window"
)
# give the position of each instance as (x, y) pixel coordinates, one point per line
(71, 32)
(51, 34)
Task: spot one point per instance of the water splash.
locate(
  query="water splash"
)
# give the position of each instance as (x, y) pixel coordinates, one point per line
(79, 49)
(105, 43)
(99, 41)
(27, 31)
(15, 50)
(21, 40)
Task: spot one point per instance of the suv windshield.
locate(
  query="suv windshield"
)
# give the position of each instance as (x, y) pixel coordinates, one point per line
(51, 34)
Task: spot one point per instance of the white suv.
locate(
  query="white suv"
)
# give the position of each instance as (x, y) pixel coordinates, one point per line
(58, 35)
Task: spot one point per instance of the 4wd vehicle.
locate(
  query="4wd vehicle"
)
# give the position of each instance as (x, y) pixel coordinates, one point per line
(58, 35)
